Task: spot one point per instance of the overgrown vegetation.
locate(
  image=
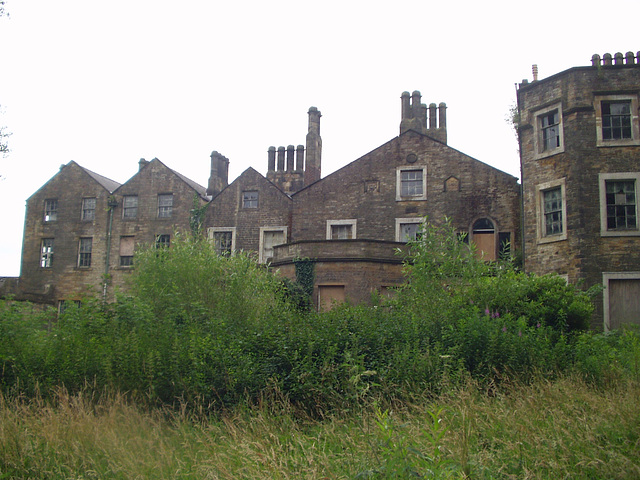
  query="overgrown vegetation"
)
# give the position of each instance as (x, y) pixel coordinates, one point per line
(209, 341)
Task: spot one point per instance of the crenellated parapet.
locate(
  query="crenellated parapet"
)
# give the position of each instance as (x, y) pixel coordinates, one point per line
(617, 59)
(416, 116)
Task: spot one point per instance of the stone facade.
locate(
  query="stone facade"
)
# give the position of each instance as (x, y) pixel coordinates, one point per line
(579, 140)
(81, 229)
(351, 223)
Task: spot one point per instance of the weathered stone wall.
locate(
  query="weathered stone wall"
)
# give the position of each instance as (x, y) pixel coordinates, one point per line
(585, 254)
(365, 190)
(69, 186)
(226, 209)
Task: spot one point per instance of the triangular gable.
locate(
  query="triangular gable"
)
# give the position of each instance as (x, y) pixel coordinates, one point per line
(261, 178)
(106, 183)
(199, 189)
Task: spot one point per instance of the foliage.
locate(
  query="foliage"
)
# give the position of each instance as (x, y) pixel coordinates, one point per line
(200, 329)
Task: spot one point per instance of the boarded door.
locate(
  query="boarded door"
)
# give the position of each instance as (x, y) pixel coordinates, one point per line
(329, 295)
(624, 302)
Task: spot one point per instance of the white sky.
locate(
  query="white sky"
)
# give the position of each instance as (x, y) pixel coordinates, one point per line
(107, 83)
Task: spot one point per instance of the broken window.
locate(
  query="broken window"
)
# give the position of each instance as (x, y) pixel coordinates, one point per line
(51, 210)
(621, 205)
(46, 253)
(550, 130)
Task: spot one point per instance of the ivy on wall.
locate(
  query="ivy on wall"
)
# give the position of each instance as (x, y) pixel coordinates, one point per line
(305, 274)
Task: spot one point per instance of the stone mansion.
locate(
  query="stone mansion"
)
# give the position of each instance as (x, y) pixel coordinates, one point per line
(574, 212)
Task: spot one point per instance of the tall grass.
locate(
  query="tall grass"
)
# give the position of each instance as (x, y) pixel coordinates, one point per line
(560, 429)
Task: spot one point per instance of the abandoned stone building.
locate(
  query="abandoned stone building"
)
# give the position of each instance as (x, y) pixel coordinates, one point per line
(580, 163)
(82, 229)
(574, 215)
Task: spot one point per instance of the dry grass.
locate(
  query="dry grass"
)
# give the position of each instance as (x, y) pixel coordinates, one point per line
(559, 429)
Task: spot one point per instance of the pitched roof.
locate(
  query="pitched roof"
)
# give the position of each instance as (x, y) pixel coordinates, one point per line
(202, 191)
(107, 183)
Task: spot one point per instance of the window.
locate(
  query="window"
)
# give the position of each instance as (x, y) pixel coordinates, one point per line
(84, 252)
(551, 211)
(548, 139)
(127, 246)
(341, 229)
(552, 207)
(617, 120)
(51, 210)
(165, 205)
(411, 183)
(408, 229)
(163, 241)
(249, 199)
(550, 131)
(46, 255)
(619, 203)
(224, 239)
(269, 238)
(88, 209)
(130, 206)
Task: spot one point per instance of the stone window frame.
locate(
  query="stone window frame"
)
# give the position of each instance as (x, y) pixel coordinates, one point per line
(165, 205)
(130, 212)
(85, 249)
(541, 236)
(249, 201)
(46, 252)
(635, 122)
(538, 142)
(88, 210)
(406, 168)
(212, 230)
(404, 220)
(606, 277)
(279, 228)
(50, 210)
(602, 182)
(351, 221)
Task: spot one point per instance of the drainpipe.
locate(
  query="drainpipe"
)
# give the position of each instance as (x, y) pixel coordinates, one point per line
(112, 203)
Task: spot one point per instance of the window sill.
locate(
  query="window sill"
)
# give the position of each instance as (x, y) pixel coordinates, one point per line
(620, 233)
(552, 239)
(547, 154)
(411, 199)
(629, 142)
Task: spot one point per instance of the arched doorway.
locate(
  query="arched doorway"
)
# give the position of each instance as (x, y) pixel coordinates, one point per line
(484, 237)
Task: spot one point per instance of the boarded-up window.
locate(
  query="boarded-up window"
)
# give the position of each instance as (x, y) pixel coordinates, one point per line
(624, 302)
(270, 239)
(329, 296)
(452, 184)
(126, 251)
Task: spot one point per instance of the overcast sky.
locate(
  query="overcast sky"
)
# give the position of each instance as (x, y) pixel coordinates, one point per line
(106, 83)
